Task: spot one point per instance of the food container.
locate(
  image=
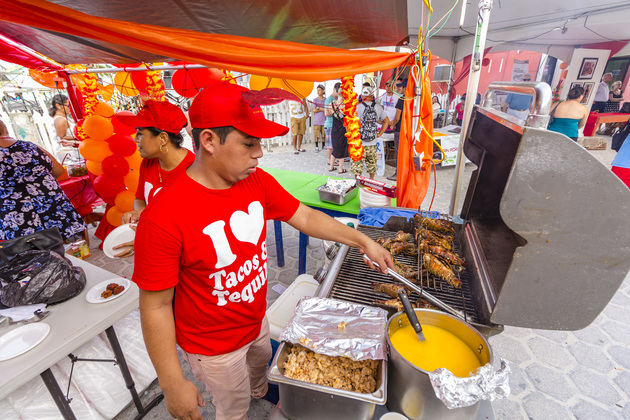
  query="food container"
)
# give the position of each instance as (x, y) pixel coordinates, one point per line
(336, 198)
(410, 390)
(306, 401)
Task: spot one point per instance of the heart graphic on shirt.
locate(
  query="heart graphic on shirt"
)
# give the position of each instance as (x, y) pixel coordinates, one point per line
(247, 227)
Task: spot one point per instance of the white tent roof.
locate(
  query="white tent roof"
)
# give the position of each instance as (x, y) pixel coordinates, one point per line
(534, 25)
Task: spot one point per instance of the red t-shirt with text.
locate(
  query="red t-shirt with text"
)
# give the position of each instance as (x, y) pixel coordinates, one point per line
(153, 178)
(211, 244)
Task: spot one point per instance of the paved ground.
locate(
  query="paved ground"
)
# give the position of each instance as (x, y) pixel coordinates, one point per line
(555, 375)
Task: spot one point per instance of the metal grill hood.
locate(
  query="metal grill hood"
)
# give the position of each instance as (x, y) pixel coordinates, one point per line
(547, 227)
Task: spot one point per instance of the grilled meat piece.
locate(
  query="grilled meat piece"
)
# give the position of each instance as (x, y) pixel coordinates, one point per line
(406, 271)
(430, 237)
(443, 254)
(396, 303)
(438, 225)
(390, 289)
(402, 236)
(384, 242)
(422, 303)
(434, 266)
(405, 248)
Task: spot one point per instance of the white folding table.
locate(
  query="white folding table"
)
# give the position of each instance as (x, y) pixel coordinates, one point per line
(72, 324)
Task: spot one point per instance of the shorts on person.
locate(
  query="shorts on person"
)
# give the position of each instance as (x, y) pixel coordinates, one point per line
(369, 156)
(233, 378)
(298, 126)
(328, 131)
(318, 131)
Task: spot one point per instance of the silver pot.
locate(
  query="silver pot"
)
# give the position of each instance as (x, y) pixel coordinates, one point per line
(409, 389)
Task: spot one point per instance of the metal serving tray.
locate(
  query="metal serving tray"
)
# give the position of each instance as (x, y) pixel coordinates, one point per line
(305, 401)
(335, 198)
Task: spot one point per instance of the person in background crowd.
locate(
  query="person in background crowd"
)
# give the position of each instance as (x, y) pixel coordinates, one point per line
(319, 116)
(396, 124)
(518, 104)
(615, 97)
(459, 110)
(569, 116)
(216, 257)
(603, 94)
(328, 126)
(31, 198)
(365, 84)
(299, 114)
(60, 112)
(338, 132)
(436, 110)
(370, 114)
(158, 126)
(388, 102)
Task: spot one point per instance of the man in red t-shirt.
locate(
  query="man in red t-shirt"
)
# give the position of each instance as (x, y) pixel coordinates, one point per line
(205, 233)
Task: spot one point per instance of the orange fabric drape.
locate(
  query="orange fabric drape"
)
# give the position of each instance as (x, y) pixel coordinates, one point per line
(412, 184)
(283, 59)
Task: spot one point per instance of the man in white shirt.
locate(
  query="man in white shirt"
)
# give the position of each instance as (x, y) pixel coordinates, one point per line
(603, 93)
(389, 101)
(299, 114)
(370, 115)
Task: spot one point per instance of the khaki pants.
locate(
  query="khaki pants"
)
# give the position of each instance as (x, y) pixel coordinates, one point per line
(298, 126)
(233, 378)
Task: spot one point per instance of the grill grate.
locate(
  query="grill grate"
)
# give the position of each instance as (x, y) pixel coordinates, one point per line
(352, 283)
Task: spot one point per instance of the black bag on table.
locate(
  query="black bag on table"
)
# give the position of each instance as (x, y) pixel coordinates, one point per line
(47, 239)
(620, 136)
(39, 277)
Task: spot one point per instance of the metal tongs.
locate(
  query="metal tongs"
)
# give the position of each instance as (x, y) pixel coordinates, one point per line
(423, 293)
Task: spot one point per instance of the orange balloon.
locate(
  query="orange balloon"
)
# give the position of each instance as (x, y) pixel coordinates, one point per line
(257, 82)
(134, 160)
(98, 128)
(107, 92)
(104, 110)
(94, 150)
(563, 66)
(124, 201)
(131, 179)
(298, 87)
(564, 73)
(124, 84)
(114, 216)
(94, 167)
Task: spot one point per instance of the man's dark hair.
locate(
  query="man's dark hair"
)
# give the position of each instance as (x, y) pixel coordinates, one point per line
(337, 86)
(222, 132)
(367, 84)
(176, 139)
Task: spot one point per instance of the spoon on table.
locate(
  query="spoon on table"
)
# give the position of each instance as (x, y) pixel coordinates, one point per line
(411, 314)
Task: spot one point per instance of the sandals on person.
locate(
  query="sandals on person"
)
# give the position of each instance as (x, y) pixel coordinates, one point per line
(343, 171)
(296, 152)
(331, 169)
(302, 150)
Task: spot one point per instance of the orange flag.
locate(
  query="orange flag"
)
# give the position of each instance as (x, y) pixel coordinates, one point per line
(412, 183)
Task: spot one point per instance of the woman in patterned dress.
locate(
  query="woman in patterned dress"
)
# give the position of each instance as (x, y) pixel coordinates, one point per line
(30, 196)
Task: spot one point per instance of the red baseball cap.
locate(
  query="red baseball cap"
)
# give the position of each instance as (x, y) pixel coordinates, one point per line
(162, 115)
(222, 105)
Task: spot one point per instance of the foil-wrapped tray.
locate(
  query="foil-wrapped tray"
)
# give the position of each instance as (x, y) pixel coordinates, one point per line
(338, 191)
(337, 328)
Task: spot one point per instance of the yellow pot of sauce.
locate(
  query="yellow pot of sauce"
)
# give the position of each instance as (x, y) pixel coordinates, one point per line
(450, 343)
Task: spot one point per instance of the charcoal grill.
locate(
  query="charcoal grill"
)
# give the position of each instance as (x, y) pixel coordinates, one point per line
(545, 234)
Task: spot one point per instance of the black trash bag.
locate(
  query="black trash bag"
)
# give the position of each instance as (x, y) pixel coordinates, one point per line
(39, 277)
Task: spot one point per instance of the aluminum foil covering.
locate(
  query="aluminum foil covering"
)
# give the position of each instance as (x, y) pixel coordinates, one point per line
(484, 384)
(336, 328)
(339, 186)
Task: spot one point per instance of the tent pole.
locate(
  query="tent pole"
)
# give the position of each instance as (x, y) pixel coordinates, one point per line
(447, 104)
(471, 95)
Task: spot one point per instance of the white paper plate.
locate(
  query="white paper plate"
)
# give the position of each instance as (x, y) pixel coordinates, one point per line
(94, 294)
(22, 339)
(120, 235)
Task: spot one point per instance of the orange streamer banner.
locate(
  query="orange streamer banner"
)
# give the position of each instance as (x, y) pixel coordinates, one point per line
(350, 120)
(282, 59)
